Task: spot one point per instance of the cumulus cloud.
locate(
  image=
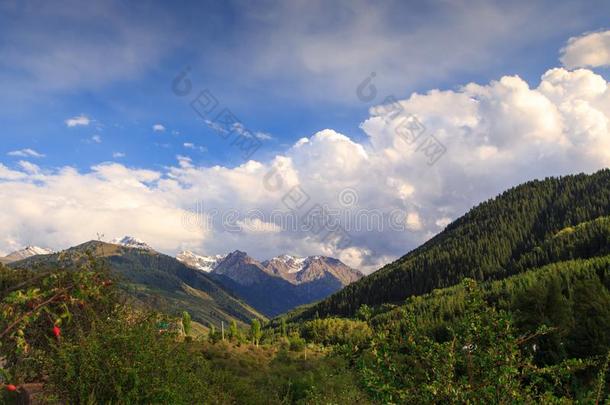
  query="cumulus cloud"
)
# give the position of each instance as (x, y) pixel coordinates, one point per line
(493, 135)
(79, 120)
(158, 128)
(26, 153)
(588, 50)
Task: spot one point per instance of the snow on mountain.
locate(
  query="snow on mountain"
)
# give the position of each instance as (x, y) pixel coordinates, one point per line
(203, 263)
(292, 264)
(131, 242)
(28, 251)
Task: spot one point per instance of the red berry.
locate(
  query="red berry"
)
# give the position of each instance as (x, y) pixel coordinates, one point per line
(56, 331)
(11, 387)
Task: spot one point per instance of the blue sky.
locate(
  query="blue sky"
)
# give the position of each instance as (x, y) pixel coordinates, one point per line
(259, 58)
(286, 69)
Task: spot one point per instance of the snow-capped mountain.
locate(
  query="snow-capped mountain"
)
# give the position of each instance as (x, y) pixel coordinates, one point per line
(289, 264)
(298, 270)
(28, 251)
(131, 242)
(283, 282)
(203, 263)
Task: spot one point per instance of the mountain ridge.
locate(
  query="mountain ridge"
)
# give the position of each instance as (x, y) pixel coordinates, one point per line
(274, 287)
(156, 280)
(291, 268)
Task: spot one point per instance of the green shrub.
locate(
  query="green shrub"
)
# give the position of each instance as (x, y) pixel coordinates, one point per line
(296, 343)
(126, 359)
(337, 331)
(482, 360)
(35, 306)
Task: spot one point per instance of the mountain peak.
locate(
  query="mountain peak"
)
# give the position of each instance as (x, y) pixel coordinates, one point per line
(237, 253)
(26, 252)
(199, 262)
(131, 242)
(290, 264)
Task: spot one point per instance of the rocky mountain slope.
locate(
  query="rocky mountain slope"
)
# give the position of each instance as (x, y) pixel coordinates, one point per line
(276, 285)
(203, 263)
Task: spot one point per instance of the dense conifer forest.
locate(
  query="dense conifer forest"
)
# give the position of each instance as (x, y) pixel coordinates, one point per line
(496, 239)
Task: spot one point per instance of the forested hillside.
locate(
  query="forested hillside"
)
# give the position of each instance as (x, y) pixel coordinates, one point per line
(498, 238)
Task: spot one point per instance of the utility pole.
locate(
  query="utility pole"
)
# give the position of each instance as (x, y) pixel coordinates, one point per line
(222, 328)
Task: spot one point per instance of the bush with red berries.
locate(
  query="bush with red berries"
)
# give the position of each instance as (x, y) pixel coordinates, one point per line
(39, 308)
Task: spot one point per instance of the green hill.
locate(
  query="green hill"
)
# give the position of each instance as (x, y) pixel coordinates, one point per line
(157, 281)
(498, 238)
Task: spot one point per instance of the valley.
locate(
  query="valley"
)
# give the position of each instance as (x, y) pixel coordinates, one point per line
(550, 288)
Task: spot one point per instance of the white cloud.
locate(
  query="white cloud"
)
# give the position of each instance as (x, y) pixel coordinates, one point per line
(443, 222)
(96, 139)
(79, 120)
(496, 135)
(158, 128)
(118, 155)
(257, 226)
(190, 145)
(29, 168)
(588, 50)
(414, 221)
(8, 174)
(263, 136)
(26, 153)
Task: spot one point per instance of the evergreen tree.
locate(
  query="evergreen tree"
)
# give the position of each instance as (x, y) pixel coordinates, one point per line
(591, 334)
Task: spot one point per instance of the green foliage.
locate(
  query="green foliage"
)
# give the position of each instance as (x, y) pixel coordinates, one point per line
(32, 305)
(283, 327)
(337, 331)
(569, 298)
(364, 313)
(126, 359)
(481, 361)
(186, 323)
(591, 334)
(296, 343)
(234, 331)
(256, 332)
(213, 335)
(264, 375)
